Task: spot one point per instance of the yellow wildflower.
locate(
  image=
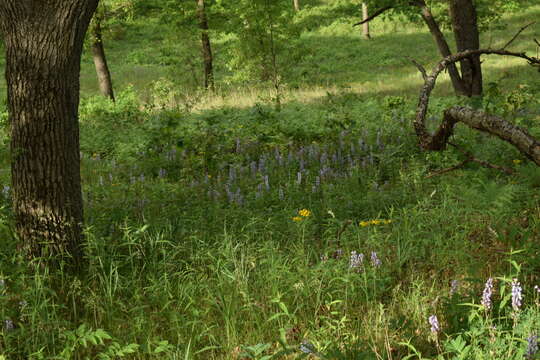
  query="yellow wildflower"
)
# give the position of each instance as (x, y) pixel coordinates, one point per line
(387, 221)
(297, 218)
(516, 161)
(364, 223)
(304, 212)
(376, 222)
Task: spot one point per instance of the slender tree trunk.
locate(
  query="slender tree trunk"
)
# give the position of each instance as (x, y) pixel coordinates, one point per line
(100, 61)
(365, 26)
(43, 41)
(206, 47)
(464, 25)
(442, 45)
(296, 4)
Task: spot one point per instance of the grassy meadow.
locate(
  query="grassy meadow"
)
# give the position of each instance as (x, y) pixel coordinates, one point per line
(221, 227)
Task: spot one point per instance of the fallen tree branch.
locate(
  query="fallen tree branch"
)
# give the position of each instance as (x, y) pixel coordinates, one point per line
(471, 157)
(374, 15)
(446, 170)
(476, 119)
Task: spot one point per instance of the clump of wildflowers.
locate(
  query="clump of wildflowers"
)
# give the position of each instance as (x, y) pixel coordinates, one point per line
(434, 322)
(375, 261)
(454, 285)
(304, 213)
(297, 218)
(532, 347)
(357, 260)
(486, 295)
(516, 295)
(374, 222)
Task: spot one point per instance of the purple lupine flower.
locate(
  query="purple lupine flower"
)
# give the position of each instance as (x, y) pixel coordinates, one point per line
(141, 178)
(8, 325)
(516, 295)
(262, 164)
(307, 347)
(532, 347)
(454, 285)
(259, 191)
(281, 195)
(5, 190)
(434, 322)
(486, 295)
(375, 261)
(298, 178)
(162, 173)
(267, 182)
(356, 260)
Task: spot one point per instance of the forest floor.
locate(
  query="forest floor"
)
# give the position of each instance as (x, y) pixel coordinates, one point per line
(223, 227)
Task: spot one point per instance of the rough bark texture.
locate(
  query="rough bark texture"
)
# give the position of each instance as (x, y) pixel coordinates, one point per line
(464, 25)
(296, 4)
(442, 45)
(365, 25)
(43, 41)
(206, 47)
(100, 61)
(475, 119)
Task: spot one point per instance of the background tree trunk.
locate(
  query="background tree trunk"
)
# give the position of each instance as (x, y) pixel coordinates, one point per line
(43, 41)
(442, 45)
(296, 4)
(206, 47)
(365, 26)
(464, 25)
(100, 61)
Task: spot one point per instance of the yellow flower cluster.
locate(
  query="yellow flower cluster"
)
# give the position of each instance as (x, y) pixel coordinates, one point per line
(304, 213)
(517, 161)
(374, 222)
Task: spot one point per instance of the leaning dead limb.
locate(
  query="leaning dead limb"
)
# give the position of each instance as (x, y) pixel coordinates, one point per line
(476, 119)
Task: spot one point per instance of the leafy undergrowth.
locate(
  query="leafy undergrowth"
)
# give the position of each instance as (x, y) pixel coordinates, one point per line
(258, 234)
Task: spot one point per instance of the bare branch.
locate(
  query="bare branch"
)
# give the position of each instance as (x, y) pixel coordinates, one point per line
(452, 168)
(517, 34)
(419, 67)
(537, 42)
(374, 15)
(471, 157)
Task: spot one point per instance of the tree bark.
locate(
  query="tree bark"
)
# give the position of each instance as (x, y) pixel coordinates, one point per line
(206, 47)
(100, 61)
(365, 25)
(43, 41)
(464, 25)
(296, 4)
(494, 125)
(442, 45)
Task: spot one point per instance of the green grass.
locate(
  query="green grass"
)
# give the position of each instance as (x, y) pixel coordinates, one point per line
(192, 248)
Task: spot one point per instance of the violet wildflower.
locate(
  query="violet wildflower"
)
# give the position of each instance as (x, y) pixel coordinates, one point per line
(434, 322)
(454, 285)
(253, 166)
(486, 295)
(532, 347)
(356, 261)
(375, 261)
(308, 348)
(516, 294)
(8, 325)
(162, 173)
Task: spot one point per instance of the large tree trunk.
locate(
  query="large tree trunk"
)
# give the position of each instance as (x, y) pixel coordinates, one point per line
(43, 41)
(296, 4)
(464, 25)
(100, 61)
(206, 47)
(442, 45)
(365, 26)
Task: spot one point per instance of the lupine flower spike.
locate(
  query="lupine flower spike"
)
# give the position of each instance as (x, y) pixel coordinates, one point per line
(434, 322)
(516, 295)
(486, 295)
(532, 347)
